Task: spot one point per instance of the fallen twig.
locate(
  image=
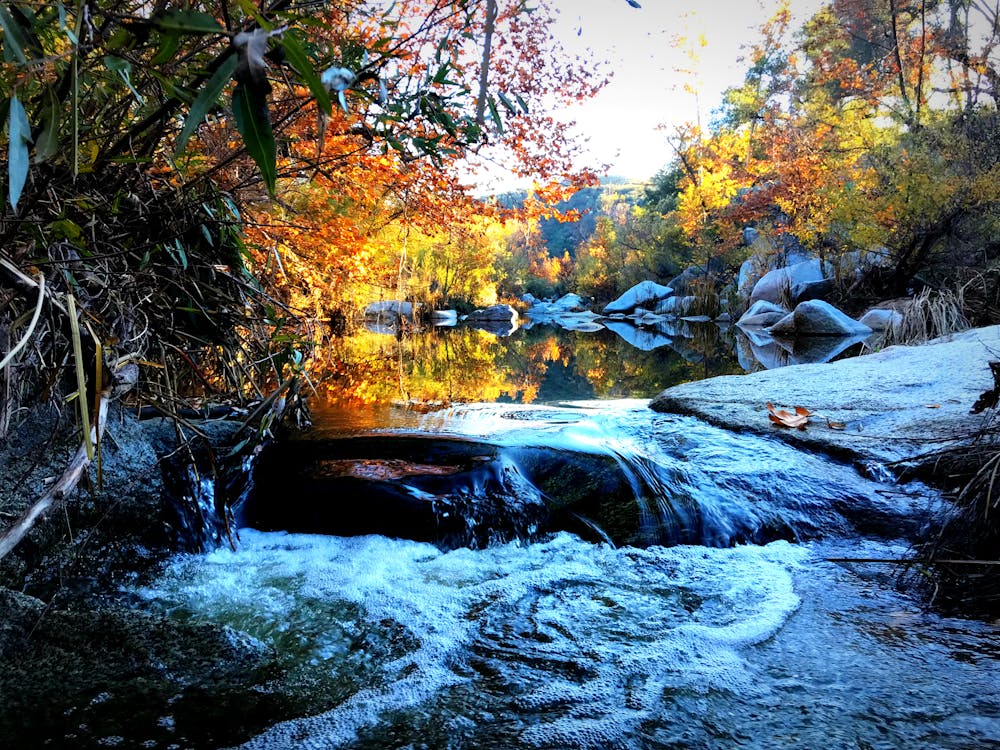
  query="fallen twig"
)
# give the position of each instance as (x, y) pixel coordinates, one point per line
(53, 498)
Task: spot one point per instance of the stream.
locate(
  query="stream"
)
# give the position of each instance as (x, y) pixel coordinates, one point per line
(584, 574)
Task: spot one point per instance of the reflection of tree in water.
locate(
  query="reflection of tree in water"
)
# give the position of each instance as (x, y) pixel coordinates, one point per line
(541, 364)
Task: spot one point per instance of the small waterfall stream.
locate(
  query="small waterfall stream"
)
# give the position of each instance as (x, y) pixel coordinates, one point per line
(592, 575)
(478, 475)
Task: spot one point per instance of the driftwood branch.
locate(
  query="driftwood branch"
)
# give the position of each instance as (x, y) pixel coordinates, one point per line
(55, 495)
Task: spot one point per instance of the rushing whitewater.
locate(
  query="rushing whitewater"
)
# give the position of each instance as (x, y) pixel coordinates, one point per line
(566, 643)
(570, 644)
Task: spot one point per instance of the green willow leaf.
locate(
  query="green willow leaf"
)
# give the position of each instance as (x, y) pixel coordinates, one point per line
(48, 140)
(254, 123)
(295, 54)
(507, 103)
(189, 22)
(17, 159)
(205, 100)
(13, 38)
(494, 114)
(169, 44)
(124, 69)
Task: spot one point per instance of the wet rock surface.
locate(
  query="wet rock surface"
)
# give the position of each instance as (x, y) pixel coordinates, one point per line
(896, 405)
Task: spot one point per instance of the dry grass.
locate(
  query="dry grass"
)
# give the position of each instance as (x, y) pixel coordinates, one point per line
(959, 568)
(930, 315)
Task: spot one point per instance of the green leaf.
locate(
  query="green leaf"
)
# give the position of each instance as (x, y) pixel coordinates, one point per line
(17, 160)
(254, 123)
(507, 103)
(442, 74)
(188, 22)
(67, 229)
(124, 69)
(524, 105)
(448, 123)
(492, 104)
(205, 100)
(70, 34)
(181, 256)
(296, 56)
(48, 140)
(169, 44)
(13, 37)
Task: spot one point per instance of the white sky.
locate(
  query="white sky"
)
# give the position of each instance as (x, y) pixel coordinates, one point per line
(647, 89)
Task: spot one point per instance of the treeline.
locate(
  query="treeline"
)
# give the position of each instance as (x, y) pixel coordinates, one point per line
(874, 125)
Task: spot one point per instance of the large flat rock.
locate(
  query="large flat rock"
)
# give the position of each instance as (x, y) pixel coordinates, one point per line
(900, 404)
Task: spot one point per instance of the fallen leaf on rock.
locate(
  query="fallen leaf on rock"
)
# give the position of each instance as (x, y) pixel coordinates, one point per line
(836, 425)
(933, 406)
(783, 418)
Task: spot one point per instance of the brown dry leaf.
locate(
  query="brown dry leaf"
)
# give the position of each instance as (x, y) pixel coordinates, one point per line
(933, 406)
(836, 425)
(783, 418)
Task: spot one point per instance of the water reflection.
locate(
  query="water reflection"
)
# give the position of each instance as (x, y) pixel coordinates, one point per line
(540, 364)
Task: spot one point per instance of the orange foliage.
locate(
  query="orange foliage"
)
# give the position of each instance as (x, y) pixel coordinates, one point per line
(393, 155)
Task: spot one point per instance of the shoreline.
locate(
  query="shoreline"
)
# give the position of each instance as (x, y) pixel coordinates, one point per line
(902, 405)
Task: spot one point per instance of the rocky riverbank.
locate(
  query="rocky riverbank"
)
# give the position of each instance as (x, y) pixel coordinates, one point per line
(902, 405)
(81, 667)
(84, 667)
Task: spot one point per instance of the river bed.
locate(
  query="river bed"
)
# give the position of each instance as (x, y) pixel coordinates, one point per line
(558, 642)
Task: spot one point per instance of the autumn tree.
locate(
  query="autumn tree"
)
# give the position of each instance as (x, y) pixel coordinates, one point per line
(229, 165)
(857, 131)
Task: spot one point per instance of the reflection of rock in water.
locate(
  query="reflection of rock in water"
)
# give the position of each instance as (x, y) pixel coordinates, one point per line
(643, 339)
(496, 327)
(756, 345)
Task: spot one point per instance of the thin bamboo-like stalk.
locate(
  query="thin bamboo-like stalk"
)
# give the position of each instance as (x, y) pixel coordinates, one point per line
(81, 377)
(31, 326)
(98, 394)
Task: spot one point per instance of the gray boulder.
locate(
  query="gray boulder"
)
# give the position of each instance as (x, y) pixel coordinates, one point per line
(762, 314)
(676, 306)
(494, 313)
(768, 254)
(817, 318)
(570, 303)
(880, 319)
(389, 308)
(781, 284)
(645, 293)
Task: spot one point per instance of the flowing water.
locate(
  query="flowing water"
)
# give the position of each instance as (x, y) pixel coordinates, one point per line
(705, 612)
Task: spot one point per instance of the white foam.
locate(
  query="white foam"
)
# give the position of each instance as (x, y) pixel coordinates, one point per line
(632, 622)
